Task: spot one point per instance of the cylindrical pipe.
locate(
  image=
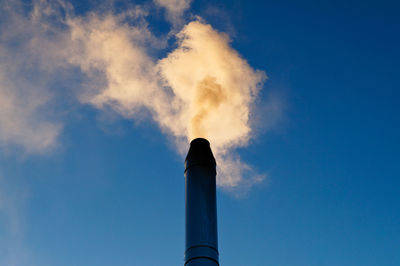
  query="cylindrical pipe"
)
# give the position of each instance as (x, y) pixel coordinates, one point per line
(201, 205)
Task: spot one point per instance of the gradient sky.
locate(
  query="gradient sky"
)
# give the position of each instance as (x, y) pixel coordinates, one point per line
(112, 190)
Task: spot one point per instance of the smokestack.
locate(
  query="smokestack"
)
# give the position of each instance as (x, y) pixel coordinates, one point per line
(201, 205)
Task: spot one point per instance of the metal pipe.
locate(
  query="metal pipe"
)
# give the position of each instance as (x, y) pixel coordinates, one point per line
(201, 205)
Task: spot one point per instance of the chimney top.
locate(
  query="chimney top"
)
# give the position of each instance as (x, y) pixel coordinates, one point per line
(200, 153)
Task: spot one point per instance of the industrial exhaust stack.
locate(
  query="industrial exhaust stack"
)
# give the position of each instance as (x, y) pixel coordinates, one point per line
(201, 208)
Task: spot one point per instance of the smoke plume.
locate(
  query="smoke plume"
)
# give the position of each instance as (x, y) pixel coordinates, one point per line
(214, 85)
(202, 88)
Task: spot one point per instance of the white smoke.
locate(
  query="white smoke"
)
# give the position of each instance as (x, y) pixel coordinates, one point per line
(216, 88)
(214, 84)
(203, 88)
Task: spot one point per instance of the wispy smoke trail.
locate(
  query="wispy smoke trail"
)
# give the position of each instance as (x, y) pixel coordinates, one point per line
(203, 88)
(24, 97)
(174, 8)
(13, 250)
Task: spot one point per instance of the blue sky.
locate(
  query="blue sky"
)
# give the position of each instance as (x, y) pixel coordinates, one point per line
(111, 189)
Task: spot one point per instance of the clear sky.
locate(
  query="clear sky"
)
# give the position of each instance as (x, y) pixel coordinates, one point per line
(108, 189)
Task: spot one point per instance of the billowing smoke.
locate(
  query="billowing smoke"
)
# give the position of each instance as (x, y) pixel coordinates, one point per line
(203, 88)
(216, 88)
(214, 85)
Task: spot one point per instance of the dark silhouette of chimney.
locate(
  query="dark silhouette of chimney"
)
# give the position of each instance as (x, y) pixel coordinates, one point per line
(201, 205)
